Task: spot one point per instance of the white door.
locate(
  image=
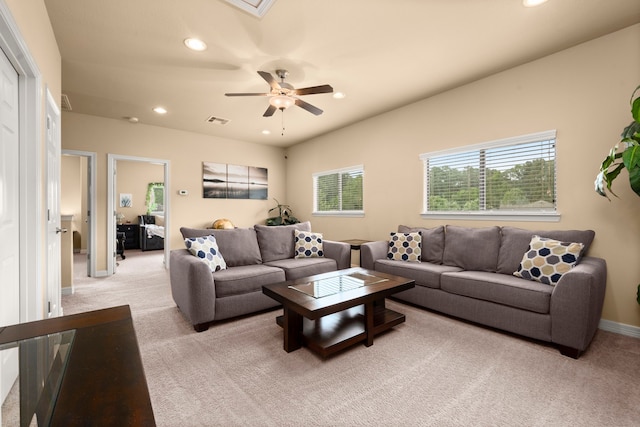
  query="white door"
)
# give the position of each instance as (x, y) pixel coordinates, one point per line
(54, 279)
(9, 218)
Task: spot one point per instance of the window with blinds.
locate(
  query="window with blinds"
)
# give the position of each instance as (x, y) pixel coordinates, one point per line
(515, 175)
(339, 191)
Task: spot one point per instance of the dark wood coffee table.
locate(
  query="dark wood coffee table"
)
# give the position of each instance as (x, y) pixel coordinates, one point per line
(348, 308)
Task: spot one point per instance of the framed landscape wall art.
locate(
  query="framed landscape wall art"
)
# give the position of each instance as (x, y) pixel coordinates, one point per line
(224, 181)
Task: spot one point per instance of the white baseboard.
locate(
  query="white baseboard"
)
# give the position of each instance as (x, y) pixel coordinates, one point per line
(619, 328)
(101, 273)
(67, 290)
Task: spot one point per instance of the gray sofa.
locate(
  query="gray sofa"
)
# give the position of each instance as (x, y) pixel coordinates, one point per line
(468, 273)
(254, 256)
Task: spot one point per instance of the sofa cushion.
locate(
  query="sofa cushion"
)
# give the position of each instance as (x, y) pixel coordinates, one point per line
(307, 244)
(206, 249)
(238, 246)
(245, 279)
(547, 260)
(515, 242)
(295, 268)
(473, 249)
(424, 273)
(432, 242)
(277, 242)
(499, 288)
(405, 247)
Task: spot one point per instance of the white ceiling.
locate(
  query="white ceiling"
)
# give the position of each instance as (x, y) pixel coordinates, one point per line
(120, 58)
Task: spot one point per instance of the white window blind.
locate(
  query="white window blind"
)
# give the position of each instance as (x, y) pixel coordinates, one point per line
(338, 191)
(515, 175)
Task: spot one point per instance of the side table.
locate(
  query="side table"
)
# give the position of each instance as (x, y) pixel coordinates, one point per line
(355, 246)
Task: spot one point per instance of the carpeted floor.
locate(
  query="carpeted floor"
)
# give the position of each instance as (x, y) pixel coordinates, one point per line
(430, 371)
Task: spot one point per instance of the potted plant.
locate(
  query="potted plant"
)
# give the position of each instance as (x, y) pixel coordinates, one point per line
(285, 215)
(624, 155)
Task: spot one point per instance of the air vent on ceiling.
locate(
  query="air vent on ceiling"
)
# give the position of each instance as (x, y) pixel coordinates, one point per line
(257, 8)
(66, 104)
(218, 120)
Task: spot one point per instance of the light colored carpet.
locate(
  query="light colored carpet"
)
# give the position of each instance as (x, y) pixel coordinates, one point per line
(430, 371)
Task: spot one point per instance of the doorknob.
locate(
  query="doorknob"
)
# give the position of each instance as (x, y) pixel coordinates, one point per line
(60, 230)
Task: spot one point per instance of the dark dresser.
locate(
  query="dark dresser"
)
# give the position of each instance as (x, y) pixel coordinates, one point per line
(131, 234)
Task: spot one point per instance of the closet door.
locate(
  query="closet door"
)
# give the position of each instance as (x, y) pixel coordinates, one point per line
(9, 218)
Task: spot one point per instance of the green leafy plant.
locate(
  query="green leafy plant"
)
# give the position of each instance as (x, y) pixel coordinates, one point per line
(625, 154)
(285, 215)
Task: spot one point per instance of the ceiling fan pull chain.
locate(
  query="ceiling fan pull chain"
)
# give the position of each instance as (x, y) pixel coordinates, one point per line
(282, 118)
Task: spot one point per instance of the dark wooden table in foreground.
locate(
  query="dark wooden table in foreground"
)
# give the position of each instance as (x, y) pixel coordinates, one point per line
(104, 382)
(334, 322)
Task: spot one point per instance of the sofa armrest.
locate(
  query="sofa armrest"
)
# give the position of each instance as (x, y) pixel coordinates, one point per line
(339, 251)
(192, 286)
(576, 303)
(372, 251)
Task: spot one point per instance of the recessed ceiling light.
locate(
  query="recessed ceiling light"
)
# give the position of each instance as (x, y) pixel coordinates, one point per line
(339, 95)
(160, 110)
(532, 3)
(195, 44)
(266, 132)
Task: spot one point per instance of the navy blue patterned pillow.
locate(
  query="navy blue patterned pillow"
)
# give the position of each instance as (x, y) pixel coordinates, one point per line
(405, 247)
(206, 248)
(547, 260)
(308, 244)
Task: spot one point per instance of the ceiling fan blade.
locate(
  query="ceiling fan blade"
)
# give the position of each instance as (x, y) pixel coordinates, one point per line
(247, 94)
(269, 111)
(310, 108)
(314, 89)
(269, 78)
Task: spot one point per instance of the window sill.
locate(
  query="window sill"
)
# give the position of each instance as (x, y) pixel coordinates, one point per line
(495, 216)
(352, 214)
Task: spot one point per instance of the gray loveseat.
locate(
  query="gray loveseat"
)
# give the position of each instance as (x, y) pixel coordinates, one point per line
(254, 256)
(468, 273)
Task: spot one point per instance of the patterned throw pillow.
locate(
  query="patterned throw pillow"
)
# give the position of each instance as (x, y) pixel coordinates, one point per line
(206, 248)
(405, 247)
(308, 244)
(547, 260)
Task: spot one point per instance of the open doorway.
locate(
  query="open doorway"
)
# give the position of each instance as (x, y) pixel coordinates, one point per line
(78, 200)
(138, 201)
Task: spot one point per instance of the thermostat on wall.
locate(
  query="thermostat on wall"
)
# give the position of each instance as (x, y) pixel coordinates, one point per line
(183, 192)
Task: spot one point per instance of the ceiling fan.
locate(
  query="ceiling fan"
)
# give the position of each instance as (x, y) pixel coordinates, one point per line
(283, 95)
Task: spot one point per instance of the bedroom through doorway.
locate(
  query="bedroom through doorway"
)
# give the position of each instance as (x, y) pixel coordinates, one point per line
(139, 198)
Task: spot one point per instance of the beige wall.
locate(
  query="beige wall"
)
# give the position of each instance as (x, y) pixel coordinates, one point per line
(71, 189)
(133, 178)
(583, 92)
(33, 20)
(185, 151)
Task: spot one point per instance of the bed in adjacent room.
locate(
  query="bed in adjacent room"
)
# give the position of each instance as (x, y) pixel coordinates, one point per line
(151, 232)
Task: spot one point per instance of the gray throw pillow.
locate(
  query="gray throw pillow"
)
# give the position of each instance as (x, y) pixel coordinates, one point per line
(277, 242)
(473, 249)
(238, 246)
(432, 242)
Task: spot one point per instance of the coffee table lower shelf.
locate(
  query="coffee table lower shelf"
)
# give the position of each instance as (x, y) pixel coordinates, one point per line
(335, 332)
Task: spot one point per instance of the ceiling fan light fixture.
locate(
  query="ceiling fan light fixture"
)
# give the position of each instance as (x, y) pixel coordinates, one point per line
(282, 102)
